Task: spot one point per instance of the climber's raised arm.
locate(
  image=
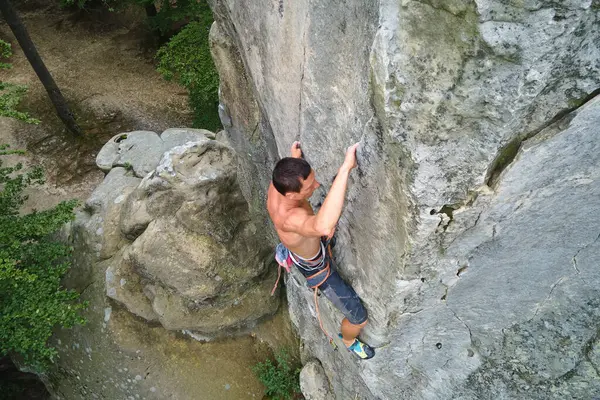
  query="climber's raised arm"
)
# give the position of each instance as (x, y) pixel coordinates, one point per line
(324, 222)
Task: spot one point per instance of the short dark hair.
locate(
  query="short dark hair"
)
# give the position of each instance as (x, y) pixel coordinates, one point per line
(287, 174)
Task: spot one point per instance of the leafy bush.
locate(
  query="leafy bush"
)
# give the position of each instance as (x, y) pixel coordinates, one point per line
(10, 93)
(32, 301)
(187, 59)
(281, 379)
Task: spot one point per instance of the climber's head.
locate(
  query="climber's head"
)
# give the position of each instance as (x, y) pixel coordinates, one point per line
(294, 178)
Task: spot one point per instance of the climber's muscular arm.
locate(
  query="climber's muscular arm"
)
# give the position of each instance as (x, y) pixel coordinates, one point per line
(302, 222)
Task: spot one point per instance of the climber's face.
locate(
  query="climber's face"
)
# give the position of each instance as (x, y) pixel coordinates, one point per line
(309, 185)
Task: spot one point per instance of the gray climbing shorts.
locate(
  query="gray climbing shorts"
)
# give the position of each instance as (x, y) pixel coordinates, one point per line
(342, 295)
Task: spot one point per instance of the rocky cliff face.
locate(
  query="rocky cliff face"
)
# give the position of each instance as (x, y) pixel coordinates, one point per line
(468, 229)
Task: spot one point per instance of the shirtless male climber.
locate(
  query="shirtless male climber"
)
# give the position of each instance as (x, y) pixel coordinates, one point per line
(304, 236)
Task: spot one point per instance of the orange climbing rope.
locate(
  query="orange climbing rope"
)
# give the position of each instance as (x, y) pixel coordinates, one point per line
(327, 271)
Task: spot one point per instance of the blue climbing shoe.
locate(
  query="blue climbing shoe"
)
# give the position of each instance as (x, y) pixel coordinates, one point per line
(360, 349)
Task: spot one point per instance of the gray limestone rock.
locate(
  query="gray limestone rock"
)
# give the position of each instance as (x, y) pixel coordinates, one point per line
(188, 228)
(109, 153)
(314, 383)
(102, 212)
(141, 151)
(109, 190)
(474, 190)
(127, 287)
(174, 137)
(548, 332)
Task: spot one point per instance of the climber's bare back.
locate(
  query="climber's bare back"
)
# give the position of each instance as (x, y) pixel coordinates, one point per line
(283, 214)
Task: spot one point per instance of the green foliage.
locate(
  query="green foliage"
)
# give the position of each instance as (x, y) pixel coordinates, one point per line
(281, 379)
(11, 94)
(10, 97)
(187, 59)
(5, 52)
(32, 301)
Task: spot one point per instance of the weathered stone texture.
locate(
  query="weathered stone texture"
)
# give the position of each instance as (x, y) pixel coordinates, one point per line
(475, 187)
(187, 228)
(314, 382)
(173, 253)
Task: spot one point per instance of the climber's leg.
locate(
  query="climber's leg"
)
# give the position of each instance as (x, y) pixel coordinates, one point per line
(350, 331)
(345, 299)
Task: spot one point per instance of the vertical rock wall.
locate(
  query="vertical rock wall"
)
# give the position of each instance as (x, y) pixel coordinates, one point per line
(467, 228)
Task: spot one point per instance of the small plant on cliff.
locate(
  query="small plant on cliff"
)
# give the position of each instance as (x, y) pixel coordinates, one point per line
(32, 301)
(281, 378)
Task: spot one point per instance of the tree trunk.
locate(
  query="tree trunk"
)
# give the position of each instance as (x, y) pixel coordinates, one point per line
(22, 36)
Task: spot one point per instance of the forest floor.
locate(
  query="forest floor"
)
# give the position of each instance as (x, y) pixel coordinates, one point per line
(104, 65)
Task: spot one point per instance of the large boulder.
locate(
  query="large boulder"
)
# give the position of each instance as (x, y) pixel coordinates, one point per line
(476, 179)
(168, 263)
(194, 260)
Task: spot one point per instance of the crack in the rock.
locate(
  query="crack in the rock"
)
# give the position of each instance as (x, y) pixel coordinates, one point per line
(445, 296)
(86, 287)
(254, 131)
(450, 209)
(537, 309)
(594, 367)
(466, 326)
(575, 264)
(301, 88)
(447, 209)
(410, 351)
(507, 154)
(411, 312)
(574, 260)
(466, 230)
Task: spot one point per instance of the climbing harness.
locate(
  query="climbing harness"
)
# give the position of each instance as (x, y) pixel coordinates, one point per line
(285, 259)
